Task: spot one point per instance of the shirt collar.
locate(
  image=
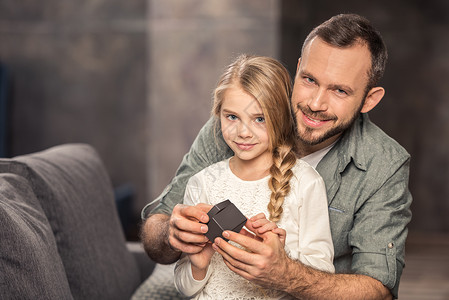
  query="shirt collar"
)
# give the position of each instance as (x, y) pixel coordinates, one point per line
(351, 145)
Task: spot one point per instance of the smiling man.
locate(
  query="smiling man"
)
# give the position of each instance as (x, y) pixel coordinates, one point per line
(365, 172)
(331, 90)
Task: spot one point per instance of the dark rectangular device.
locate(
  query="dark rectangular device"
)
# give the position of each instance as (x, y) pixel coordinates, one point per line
(224, 216)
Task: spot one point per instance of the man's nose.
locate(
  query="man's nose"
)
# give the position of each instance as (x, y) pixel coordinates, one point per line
(318, 101)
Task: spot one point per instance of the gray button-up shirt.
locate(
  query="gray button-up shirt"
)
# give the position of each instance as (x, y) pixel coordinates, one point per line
(366, 177)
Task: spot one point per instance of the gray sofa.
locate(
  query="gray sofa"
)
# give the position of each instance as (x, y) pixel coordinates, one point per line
(60, 235)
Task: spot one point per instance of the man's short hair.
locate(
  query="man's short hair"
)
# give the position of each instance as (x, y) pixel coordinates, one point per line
(345, 30)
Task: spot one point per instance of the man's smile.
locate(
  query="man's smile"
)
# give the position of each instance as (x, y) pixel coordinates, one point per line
(314, 119)
(313, 122)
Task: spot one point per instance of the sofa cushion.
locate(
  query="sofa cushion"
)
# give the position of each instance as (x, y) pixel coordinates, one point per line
(160, 285)
(76, 194)
(30, 267)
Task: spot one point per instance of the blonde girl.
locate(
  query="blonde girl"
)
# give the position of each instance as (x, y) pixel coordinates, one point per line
(263, 178)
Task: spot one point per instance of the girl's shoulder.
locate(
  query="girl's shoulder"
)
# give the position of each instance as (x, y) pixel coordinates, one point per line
(304, 171)
(216, 167)
(213, 171)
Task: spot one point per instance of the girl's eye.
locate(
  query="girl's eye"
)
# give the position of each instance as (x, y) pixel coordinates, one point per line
(260, 120)
(231, 117)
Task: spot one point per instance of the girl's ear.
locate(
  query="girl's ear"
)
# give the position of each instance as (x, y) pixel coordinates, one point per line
(373, 98)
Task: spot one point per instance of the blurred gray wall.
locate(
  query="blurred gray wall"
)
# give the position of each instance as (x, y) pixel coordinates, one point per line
(78, 74)
(134, 79)
(190, 43)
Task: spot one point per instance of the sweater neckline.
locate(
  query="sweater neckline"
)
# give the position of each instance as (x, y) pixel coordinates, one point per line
(228, 167)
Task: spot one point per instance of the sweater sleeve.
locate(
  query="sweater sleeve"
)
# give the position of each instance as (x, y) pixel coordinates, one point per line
(183, 279)
(315, 240)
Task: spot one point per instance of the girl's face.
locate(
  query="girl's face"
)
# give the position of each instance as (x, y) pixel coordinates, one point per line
(244, 128)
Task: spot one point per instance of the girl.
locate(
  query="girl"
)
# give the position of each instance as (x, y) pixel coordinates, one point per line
(251, 103)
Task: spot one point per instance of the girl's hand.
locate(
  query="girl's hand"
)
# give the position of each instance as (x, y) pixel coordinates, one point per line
(259, 224)
(200, 261)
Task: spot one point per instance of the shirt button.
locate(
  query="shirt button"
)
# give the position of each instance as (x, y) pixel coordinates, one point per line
(390, 245)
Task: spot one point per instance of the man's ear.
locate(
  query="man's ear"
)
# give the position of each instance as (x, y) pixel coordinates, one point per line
(373, 98)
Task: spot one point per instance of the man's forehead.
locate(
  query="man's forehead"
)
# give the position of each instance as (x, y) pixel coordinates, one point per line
(321, 59)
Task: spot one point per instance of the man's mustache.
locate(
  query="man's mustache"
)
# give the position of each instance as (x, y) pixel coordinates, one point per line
(315, 114)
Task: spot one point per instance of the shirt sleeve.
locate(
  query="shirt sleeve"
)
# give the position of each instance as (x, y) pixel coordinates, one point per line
(315, 241)
(207, 149)
(386, 215)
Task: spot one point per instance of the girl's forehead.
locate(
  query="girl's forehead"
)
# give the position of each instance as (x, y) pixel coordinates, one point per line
(235, 98)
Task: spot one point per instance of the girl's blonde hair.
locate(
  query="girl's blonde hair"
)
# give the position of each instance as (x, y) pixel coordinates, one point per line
(268, 81)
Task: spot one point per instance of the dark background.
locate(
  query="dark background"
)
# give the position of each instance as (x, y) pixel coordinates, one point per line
(134, 79)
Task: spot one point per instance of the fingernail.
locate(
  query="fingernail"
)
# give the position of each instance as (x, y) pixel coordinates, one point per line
(226, 234)
(217, 241)
(203, 219)
(203, 228)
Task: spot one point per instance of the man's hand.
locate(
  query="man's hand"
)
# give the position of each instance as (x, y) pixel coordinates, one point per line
(263, 262)
(267, 264)
(165, 237)
(186, 233)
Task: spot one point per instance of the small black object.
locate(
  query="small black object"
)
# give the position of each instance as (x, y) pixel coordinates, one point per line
(224, 216)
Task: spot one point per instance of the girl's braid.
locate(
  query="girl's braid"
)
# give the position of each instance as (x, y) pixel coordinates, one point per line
(283, 161)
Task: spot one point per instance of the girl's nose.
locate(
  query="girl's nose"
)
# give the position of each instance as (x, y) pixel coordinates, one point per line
(244, 131)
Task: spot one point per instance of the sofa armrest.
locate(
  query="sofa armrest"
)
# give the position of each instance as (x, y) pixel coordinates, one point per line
(145, 264)
(73, 189)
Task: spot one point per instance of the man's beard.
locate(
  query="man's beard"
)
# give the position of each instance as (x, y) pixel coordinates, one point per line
(306, 137)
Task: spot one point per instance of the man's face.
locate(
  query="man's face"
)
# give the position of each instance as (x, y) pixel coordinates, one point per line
(329, 91)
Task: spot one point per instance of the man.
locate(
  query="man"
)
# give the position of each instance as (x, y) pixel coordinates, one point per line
(365, 171)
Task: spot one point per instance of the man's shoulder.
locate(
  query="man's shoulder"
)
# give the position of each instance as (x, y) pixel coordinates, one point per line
(209, 145)
(367, 147)
(375, 143)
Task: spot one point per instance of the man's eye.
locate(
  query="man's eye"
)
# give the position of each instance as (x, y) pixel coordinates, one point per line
(341, 92)
(309, 80)
(260, 120)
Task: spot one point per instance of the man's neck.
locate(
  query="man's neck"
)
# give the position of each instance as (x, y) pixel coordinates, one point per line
(304, 150)
(307, 149)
